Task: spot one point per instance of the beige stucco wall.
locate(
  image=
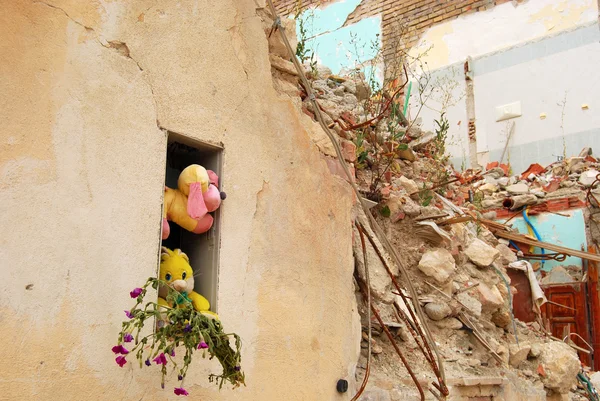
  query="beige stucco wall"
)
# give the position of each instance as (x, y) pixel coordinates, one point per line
(81, 181)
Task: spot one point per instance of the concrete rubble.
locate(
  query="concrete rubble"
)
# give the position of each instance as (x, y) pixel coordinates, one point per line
(466, 265)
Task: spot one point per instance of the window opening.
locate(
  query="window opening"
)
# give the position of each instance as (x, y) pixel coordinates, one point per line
(201, 249)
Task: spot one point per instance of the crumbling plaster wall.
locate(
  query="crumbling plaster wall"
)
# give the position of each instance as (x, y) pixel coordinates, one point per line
(87, 87)
(536, 53)
(501, 27)
(339, 46)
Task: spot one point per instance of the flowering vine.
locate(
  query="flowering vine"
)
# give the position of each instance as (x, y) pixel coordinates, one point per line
(186, 328)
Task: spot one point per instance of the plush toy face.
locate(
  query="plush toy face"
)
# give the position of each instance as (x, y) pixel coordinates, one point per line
(175, 269)
(194, 173)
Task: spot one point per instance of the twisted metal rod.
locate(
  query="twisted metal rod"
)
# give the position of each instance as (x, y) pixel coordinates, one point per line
(372, 222)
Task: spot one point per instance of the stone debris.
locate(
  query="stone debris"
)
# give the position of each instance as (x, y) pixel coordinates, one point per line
(561, 366)
(481, 253)
(587, 178)
(437, 263)
(517, 189)
(490, 298)
(409, 185)
(450, 323)
(437, 311)
(419, 189)
(471, 303)
(518, 354)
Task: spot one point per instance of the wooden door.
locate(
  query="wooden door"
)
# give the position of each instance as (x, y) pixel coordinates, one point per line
(574, 313)
(594, 307)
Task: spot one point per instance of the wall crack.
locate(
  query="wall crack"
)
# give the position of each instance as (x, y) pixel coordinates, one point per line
(116, 45)
(87, 28)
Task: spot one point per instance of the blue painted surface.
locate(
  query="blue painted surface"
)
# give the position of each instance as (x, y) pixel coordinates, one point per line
(564, 231)
(337, 47)
(320, 20)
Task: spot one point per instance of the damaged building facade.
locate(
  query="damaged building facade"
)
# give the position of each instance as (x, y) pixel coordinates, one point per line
(92, 94)
(492, 61)
(107, 102)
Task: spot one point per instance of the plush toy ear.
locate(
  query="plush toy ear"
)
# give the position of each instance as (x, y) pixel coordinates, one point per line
(196, 207)
(212, 198)
(165, 253)
(166, 230)
(183, 255)
(213, 178)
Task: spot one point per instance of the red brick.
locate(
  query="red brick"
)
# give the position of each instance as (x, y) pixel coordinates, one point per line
(335, 167)
(348, 150)
(414, 15)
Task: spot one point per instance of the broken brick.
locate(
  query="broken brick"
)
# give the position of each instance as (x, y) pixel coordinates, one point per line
(348, 150)
(335, 167)
(491, 165)
(534, 169)
(385, 191)
(347, 117)
(398, 216)
(541, 371)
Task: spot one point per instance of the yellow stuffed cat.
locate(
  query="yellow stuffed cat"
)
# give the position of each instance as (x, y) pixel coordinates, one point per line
(176, 271)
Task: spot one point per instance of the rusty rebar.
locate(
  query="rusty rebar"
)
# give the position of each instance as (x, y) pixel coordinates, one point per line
(403, 318)
(398, 351)
(368, 368)
(429, 354)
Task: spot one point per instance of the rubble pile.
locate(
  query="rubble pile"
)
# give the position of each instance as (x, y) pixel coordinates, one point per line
(457, 265)
(566, 178)
(458, 269)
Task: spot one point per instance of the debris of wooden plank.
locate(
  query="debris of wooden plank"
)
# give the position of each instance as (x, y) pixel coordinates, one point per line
(436, 216)
(455, 220)
(478, 336)
(540, 244)
(561, 305)
(575, 347)
(370, 203)
(467, 288)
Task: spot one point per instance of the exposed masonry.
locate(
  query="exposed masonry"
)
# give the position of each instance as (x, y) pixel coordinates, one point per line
(118, 46)
(415, 16)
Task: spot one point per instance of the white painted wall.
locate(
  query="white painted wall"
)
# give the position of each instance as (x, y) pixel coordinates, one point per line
(449, 96)
(540, 85)
(501, 27)
(534, 53)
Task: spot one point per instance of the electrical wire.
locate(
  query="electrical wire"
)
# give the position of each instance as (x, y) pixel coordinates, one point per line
(535, 232)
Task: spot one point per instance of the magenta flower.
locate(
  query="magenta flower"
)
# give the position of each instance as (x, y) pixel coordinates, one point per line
(127, 337)
(120, 360)
(147, 362)
(180, 391)
(161, 359)
(202, 345)
(135, 293)
(179, 377)
(128, 314)
(119, 349)
(172, 352)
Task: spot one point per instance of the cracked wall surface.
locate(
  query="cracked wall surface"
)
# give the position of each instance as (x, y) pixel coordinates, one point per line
(88, 89)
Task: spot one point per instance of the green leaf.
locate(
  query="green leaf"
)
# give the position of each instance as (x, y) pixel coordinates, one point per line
(385, 211)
